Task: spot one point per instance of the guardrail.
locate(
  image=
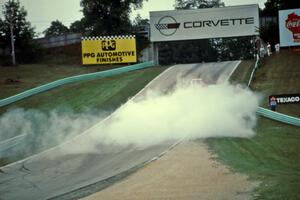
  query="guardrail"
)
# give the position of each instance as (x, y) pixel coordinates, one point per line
(254, 69)
(11, 143)
(73, 79)
(278, 116)
(7, 144)
(269, 113)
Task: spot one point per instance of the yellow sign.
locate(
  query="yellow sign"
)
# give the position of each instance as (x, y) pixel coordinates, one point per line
(108, 50)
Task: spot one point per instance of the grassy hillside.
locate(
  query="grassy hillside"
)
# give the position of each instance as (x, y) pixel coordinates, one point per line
(272, 155)
(279, 74)
(104, 93)
(17, 79)
(98, 95)
(242, 73)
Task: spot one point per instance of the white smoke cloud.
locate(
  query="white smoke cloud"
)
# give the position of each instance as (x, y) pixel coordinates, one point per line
(42, 130)
(189, 112)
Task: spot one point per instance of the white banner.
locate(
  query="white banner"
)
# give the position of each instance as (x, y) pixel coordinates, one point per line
(231, 21)
(289, 27)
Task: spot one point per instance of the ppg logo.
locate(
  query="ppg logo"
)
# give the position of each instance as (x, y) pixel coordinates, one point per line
(108, 45)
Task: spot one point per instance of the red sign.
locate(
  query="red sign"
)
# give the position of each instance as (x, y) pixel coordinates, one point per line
(293, 24)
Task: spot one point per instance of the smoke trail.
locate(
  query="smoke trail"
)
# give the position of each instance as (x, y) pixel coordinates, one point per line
(189, 112)
(43, 129)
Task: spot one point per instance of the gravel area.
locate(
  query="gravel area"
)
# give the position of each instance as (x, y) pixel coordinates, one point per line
(186, 172)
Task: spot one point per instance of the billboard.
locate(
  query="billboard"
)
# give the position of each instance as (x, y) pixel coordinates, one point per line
(230, 21)
(108, 50)
(286, 98)
(289, 27)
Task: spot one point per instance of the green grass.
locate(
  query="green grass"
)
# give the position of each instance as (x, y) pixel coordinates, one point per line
(242, 73)
(104, 94)
(279, 74)
(272, 155)
(32, 75)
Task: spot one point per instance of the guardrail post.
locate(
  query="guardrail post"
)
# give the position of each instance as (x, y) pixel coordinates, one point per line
(155, 53)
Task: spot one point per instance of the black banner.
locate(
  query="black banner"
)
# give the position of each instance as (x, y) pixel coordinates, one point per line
(286, 98)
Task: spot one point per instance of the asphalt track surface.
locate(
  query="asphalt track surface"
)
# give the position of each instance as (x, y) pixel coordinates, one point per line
(66, 169)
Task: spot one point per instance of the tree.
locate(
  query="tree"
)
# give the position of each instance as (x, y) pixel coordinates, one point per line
(107, 17)
(56, 29)
(2, 34)
(288, 4)
(14, 16)
(272, 6)
(194, 4)
(78, 26)
(139, 21)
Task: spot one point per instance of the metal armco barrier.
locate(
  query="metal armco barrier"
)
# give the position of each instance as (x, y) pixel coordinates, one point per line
(11, 143)
(253, 71)
(73, 79)
(268, 113)
(278, 116)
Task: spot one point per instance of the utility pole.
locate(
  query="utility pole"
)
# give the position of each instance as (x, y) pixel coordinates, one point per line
(12, 43)
(10, 22)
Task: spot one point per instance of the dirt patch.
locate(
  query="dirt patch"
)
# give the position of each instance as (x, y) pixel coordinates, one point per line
(10, 81)
(186, 172)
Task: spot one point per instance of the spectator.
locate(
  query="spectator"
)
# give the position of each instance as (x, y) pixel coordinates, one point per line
(262, 52)
(277, 48)
(269, 49)
(273, 103)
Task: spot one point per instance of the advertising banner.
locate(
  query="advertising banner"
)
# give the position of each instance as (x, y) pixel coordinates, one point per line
(108, 50)
(289, 27)
(286, 98)
(230, 21)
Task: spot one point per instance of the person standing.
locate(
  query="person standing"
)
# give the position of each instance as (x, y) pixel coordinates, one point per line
(277, 48)
(269, 51)
(273, 103)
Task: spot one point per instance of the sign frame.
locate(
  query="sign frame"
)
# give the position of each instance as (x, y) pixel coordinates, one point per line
(109, 50)
(207, 23)
(288, 34)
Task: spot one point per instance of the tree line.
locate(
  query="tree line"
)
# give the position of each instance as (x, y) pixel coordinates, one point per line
(112, 17)
(100, 17)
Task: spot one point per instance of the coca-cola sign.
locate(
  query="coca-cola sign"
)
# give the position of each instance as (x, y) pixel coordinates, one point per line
(293, 24)
(289, 27)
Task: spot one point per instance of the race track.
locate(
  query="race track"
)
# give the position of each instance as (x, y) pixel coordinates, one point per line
(53, 173)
